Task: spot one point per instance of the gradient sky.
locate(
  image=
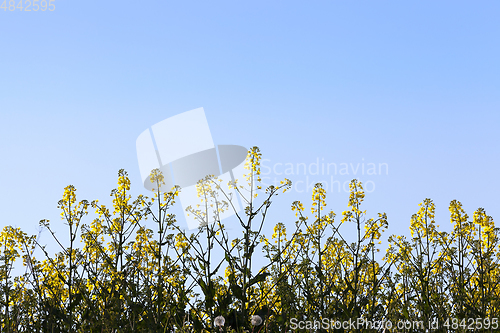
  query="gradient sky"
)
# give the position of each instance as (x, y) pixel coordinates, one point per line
(413, 84)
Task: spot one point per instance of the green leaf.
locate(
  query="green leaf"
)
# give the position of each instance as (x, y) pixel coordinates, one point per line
(258, 278)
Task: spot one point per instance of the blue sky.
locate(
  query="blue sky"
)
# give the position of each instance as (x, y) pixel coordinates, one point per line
(413, 84)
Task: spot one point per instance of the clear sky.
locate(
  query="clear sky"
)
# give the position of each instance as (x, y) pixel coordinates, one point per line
(412, 85)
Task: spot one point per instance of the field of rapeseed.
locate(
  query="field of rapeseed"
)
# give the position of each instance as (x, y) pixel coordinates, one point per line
(117, 275)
